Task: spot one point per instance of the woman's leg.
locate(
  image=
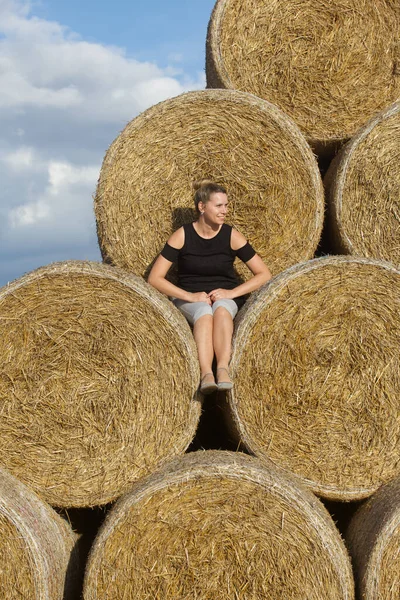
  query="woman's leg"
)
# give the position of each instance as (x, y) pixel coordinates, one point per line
(203, 335)
(222, 336)
(199, 315)
(224, 312)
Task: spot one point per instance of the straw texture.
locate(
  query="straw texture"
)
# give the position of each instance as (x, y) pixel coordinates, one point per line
(374, 541)
(316, 369)
(36, 546)
(329, 65)
(98, 381)
(364, 190)
(218, 525)
(145, 186)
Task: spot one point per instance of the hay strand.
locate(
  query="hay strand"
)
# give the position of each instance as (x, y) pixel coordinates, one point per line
(329, 65)
(98, 381)
(373, 538)
(36, 546)
(316, 368)
(364, 191)
(218, 525)
(145, 187)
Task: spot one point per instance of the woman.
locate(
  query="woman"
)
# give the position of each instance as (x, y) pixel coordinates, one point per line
(208, 292)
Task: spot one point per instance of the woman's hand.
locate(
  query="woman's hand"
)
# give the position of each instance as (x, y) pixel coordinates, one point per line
(219, 294)
(200, 297)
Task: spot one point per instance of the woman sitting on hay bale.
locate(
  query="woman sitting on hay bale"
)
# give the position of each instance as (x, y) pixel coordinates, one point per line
(209, 293)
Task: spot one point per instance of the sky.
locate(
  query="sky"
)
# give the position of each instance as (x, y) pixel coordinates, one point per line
(72, 75)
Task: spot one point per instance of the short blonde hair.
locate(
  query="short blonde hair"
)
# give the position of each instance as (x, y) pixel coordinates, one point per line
(203, 190)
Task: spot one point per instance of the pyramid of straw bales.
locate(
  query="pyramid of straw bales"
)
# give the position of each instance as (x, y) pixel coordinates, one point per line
(329, 65)
(36, 546)
(363, 184)
(316, 369)
(373, 538)
(145, 187)
(98, 382)
(218, 525)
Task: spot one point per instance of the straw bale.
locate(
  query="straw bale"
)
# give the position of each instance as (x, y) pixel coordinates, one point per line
(37, 560)
(329, 65)
(374, 542)
(316, 368)
(364, 190)
(145, 188)
(218, 525)
(98, 381)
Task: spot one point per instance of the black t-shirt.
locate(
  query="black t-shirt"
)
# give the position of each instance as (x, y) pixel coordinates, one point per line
(207, 264)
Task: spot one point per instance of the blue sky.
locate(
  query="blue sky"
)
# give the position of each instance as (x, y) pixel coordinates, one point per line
(149, 30)
(72, 74)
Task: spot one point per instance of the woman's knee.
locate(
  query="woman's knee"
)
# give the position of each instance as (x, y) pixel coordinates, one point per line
(227, 306)
(193, 311)
(202, 311)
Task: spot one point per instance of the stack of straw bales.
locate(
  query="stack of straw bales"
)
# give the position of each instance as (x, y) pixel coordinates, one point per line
(145, 186)
(316, 370)
(37, 559)
(374, 542)
(329, 65)
(218, 525)
(90, 398)
(364, 190)
(100, 372)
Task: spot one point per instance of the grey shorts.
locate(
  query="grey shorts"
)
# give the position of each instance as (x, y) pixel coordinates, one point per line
(194, 310)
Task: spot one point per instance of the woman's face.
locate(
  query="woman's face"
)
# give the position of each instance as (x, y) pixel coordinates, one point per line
(214, 211)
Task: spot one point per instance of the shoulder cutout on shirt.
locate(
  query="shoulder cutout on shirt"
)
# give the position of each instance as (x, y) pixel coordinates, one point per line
(237, 239)
(177, 239)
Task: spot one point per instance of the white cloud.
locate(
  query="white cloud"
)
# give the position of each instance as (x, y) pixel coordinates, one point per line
(21, 159)
(63, 100)
(28, 214)
(43, 65)
(63, 175)
(64, 198)
(161, 87)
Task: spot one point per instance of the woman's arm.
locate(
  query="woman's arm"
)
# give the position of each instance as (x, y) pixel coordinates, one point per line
(158, 273)
(261, 273)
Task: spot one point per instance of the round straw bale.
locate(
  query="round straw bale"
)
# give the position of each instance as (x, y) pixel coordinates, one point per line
(373, 538)
(364, 190)
(329, 65)
(316, 369)
(37, 559)
(145, 188)
(218, 525)
(98, 381)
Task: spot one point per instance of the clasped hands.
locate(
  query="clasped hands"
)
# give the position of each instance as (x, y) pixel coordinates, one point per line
(212, 296)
